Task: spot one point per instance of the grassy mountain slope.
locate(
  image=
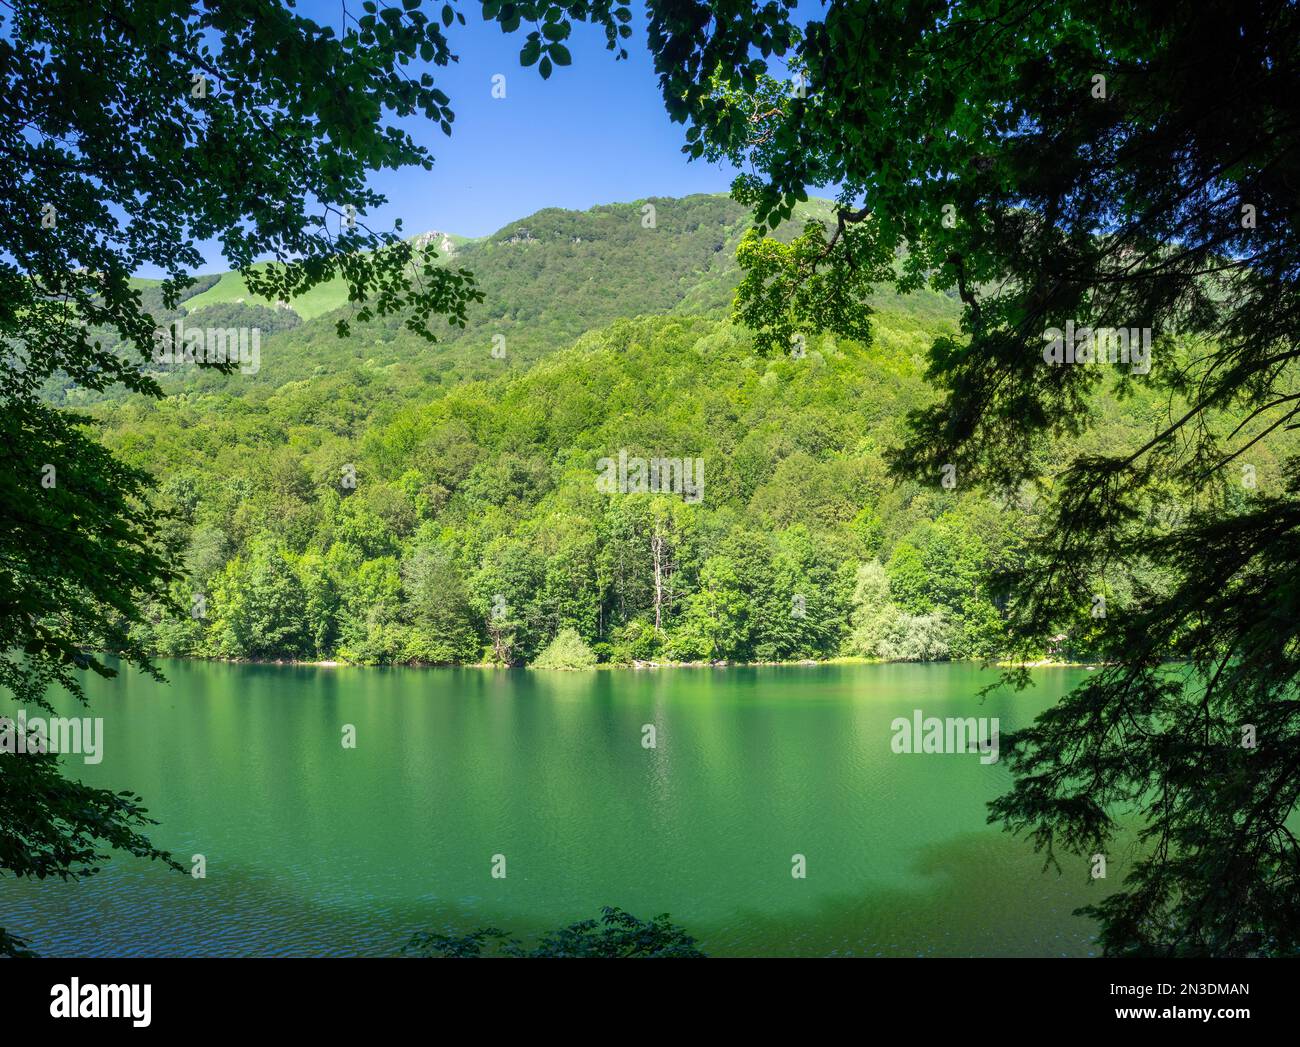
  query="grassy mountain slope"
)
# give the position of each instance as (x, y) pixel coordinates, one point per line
(547, 279)
(327, 297)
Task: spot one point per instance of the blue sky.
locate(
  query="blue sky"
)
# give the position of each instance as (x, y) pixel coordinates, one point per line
(595, 133)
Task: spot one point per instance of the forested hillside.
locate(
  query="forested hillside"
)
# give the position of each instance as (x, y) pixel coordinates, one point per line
(400, 503)
(546, 279)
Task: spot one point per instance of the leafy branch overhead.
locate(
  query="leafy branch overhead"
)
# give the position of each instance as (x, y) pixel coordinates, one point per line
(132, 134)
(1071, 166)
(544, 45)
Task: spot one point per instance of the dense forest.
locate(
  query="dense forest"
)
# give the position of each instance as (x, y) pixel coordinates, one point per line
(442, 505)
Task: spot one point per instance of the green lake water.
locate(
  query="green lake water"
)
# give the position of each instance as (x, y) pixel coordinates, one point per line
(312, 848)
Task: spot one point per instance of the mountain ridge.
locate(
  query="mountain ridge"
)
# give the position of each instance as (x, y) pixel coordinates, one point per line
(547, 279)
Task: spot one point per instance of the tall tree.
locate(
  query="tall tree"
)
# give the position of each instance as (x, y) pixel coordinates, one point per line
(1063, 167)
(130, 133)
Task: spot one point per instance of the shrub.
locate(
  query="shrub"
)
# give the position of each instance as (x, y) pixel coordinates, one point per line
(567, 651)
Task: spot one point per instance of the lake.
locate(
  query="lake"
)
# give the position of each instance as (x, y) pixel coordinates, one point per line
(313, 848)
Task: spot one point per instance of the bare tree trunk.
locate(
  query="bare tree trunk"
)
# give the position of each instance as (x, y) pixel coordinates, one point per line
(657, 555)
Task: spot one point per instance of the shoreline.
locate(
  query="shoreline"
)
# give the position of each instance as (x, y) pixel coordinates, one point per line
(637, 666)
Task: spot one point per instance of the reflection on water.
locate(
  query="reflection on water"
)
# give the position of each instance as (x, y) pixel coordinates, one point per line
(312, 848)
